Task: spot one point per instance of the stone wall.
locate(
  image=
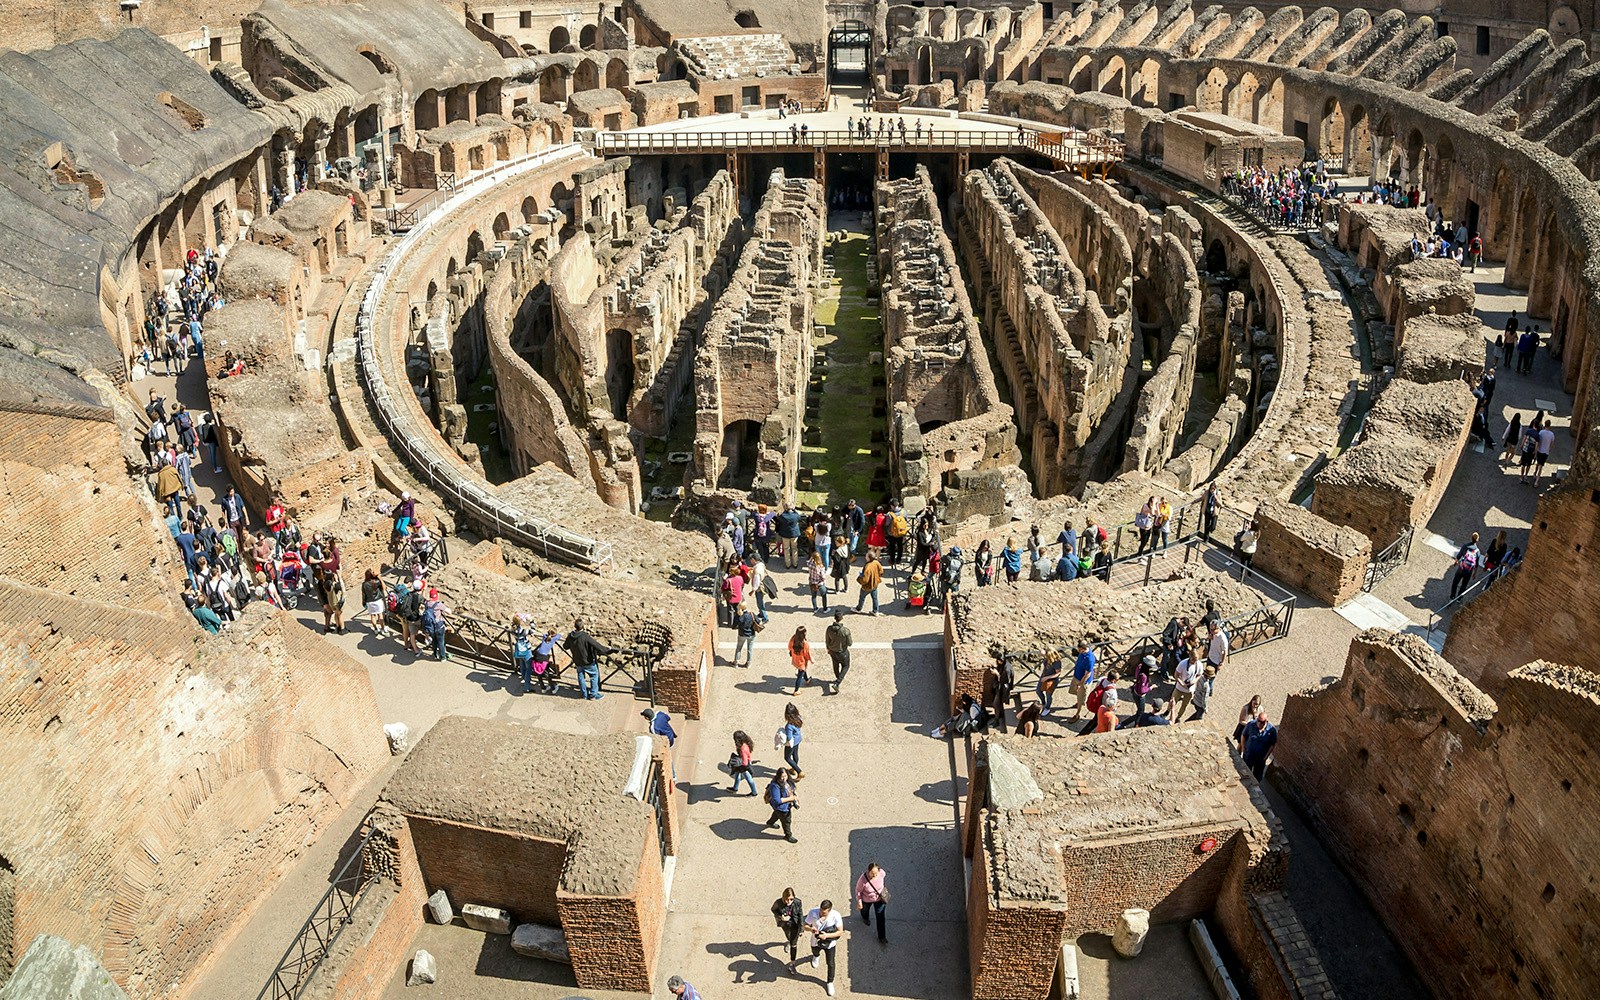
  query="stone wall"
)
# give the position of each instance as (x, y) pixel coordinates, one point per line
(1397, 473)
(1405, 766)
(1205, 147)
(948, 413)
(1302, 550)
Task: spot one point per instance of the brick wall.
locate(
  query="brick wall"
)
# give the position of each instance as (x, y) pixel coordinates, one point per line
(385, 944)
(1174, 880)
(490, 867)
(1308, 553)
(614, 940)
(153, 851)
(1013, 949)
(1469, 824)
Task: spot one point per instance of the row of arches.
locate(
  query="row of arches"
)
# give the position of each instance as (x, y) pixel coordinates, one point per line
(462, 103)
(558, 83)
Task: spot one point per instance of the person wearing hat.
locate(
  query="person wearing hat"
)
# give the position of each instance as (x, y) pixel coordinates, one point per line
(1152, 714)
(1143, 680)
(869, 579)
(1260, 737)
(434, 623)
(1105, 717)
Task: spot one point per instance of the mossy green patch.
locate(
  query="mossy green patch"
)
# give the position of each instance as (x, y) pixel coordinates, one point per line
(483, 428)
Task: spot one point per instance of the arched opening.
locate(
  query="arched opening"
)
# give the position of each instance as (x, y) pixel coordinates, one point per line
(1082, 76)
(1216, 260)
(1497, 229)
(1269, 107)
(619, 371)
(747, 19)
(585, 77)
(741, 443)
(554, 85)
(433, 289)
(1416, 162)
(1208, 96)
(560, 38)
(380, 61)
(1241, 101)
(1330, 134)
(1441, 177)
(1114, 77)
(474, 246)
(1145, 89)
(450, 269)
(1547, 273)
(489, 97)
(923, 71)
(530, 208)
(502, 225)
(587, 36)
(617, 74)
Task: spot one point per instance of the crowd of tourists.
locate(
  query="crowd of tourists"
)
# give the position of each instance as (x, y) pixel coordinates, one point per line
(1290, 197)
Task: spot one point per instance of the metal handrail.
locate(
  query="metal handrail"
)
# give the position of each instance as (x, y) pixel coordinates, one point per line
(417, 446)
(1082, 149)
(1390, 559)
(312, 943)
(1454, 604)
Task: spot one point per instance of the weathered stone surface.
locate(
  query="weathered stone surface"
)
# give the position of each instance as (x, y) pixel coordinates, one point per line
(541, 941)
(489, 919)
(1011, 785)
(439, 907)
(1131, 930)
(52, 969)
(399, 736)
(424, 969)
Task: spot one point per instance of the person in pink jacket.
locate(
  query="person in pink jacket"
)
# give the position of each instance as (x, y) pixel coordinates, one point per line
(872, 896)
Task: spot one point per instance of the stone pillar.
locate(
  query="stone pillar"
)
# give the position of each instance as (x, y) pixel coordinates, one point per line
(285, 156)
(318, 168)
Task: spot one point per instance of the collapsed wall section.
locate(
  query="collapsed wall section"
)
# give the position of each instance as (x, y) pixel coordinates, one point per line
(948, 415)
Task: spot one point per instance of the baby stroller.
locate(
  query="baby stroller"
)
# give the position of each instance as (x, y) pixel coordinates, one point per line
(292, 575)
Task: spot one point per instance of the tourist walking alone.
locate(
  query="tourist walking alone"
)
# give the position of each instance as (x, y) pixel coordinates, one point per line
(781, 797)
(681, 989)
(800, 656)
(872, 896)
(838, 641)
(740, 760)
(790, 916)
(869, 579)
(826, 927)
(788, 738)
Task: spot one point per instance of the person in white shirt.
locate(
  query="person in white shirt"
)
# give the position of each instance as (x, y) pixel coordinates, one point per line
(1217, 647)
(826, 927)
(1188, 673)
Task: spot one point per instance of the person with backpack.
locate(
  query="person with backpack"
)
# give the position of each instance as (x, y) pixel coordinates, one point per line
(840, 569)
(1468, 558)
(435, 623)
(895, 533)
(522, 651)
(544, 661)
(782, 799)
(826, 927)
(408, 605)
(741, 759)
(761, 534)
(790, 915)
(745, 627)
(762, 586)
(837, 640)
(800, 657)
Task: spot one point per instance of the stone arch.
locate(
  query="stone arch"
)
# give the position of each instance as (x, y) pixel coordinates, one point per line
(1497, 225)
(1113, 78)
(619, 370)
(1081, 78)
(530, 209)
(433, 289)
(555, 85)
(450, 269)
(740, 443)
(489, 97)
(1440, 180)
(1145, 88)
(585, 77)
(1415, 162)
(560, 38)
(1212, 90)
(1269, 106)
(1358, 159)
(426, 113)
(1241, 100)
(587, 36)
(1330, 130)
(1551, 262)
(474, 246)
(1521, 242)
(617, 74)
(922, 70)
(502, 225)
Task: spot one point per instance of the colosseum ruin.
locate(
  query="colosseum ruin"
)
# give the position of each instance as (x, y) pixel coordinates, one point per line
(500, 422)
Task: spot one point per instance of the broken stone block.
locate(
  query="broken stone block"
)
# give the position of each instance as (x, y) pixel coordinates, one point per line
(424, 969)
(541, 941)
(439, 908)
(1131, 930)
(489, 919)
(1011, 784)
(399, 736)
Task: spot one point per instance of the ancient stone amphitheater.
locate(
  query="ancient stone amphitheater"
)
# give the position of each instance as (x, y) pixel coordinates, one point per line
(600, 292)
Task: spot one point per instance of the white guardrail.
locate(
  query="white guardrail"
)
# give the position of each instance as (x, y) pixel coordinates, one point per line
(1082, 149)
(421, 446)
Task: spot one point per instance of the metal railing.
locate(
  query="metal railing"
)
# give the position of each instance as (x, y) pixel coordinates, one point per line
(1436, 618)
(1083, 149)
(1389, 560)
(419, 446)
(332, 914)
(652, 798)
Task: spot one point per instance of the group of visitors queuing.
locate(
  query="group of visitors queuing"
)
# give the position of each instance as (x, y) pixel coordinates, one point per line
(1291, 196)
(1520, 343)
(174, 322)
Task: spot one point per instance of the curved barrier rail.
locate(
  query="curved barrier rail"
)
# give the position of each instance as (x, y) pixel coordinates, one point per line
(332, 914)
(1082, 150)
(420, 446)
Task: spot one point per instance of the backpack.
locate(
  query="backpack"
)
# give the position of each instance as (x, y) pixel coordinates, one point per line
(780, 739)
(898, 526)
(1468, 561)
(409, 606)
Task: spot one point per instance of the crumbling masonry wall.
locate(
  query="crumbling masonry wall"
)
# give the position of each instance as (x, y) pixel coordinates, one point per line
(1405, 766)
(948, 416)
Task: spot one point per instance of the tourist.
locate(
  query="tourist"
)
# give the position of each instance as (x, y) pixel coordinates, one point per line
(1028, 719)
(1528, 446)
(1145, 522)
(732, 591)
(585, 651)
(826, 927)
(330, 586)
(787, 526)
(1011, 559)
(1217, 645)
(1068, 539)
(740, 760)
(983, 564)
(1049, 677)
(854, 521)
(817, 579)
(969, 717)
(233, 508)
(1067, 566)
(372, 597)
(1547, 441)
(895, 533)
(1259, 741)
(949, 575)
(877, 533)
(1143, 680)
(1151, 714)
(822, 535)
(1083, 668)
(745, 626)
(1202, 692)
(1187, 676)
(837, 639)
(872, 896)
(1163, 525)
(408, 607)
(1511, 437)
(1468, 558)
(1105, 713)
(1496, 553)
(789, 914)
(681, 989)
(544, 657)
(1038, 566)
(761, 531)
(789, 737)
(997, 684)
(661, 725)
(800, 656)
(522, 651)
(435, 623)
(840, 569)
(1210, 504)
(869, 579)
(1246, 713)
(169, 488)
(780, 795)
